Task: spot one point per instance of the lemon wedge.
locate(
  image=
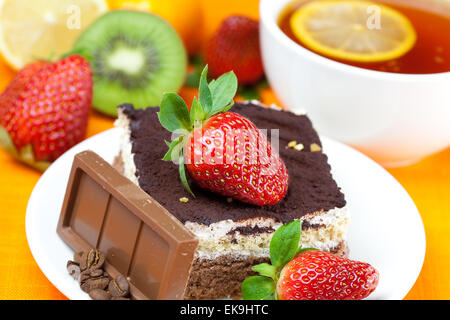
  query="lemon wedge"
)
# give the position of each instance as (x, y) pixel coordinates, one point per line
(43, 29)
(360, 31)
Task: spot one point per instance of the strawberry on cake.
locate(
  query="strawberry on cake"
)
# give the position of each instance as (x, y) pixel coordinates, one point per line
(231, 184)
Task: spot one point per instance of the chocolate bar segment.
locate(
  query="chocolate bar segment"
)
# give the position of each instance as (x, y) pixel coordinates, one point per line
(104, 210)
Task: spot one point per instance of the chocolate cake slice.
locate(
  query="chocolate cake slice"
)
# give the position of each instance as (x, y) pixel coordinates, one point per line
(234, 236)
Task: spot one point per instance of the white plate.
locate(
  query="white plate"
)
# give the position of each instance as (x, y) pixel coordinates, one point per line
(386, 228)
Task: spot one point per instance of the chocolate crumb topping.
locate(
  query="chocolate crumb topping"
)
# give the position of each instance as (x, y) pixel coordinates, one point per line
(311, 186)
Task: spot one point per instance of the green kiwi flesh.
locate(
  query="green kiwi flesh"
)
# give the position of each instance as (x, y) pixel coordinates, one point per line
(135, 57)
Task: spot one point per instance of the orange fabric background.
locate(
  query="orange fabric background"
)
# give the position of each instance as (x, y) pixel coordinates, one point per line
(428, 183)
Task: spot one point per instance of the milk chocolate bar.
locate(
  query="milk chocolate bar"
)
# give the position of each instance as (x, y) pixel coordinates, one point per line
(104, 210)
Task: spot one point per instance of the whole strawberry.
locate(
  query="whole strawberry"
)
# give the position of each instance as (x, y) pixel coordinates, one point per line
(318, 275)
(223, 151)
(297, 273)
(235, 47)
(44, 111)
(234, 159)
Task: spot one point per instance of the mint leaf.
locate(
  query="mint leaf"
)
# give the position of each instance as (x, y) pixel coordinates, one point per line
(205, 95)
(196, 113)
(285, 243)
(169, 156)
(223, 90)
(183, 173)
(266, 270)
(174, 114)
(258, 288)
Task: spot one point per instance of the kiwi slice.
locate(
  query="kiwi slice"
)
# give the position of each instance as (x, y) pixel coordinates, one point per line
(135, 57)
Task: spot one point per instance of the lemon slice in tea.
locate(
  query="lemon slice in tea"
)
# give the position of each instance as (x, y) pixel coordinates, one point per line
(43, 29)
(359, 31)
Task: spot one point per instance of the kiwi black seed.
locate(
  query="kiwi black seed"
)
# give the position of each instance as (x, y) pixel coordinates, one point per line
(135, 57)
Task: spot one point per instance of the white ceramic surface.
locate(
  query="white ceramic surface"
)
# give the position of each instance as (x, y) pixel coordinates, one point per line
(394, 118)
(386, 228)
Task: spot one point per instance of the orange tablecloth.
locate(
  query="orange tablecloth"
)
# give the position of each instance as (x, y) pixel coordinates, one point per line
(428, 183)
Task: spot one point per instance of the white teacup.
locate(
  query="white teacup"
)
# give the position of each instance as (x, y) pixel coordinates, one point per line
(396, 119)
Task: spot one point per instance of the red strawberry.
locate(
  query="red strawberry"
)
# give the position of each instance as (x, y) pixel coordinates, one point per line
(230, 156)
(46, 107)
(318, 275)
(223, 151)
(235, 47)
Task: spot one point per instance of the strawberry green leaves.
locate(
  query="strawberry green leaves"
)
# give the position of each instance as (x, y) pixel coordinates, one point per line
(197, 113)
(217, 96)
(183, 173)
(176, 153)
(174, 149)
(214, 97)
(284, 246)
(204, 93)
(174, 114)
(223, 90)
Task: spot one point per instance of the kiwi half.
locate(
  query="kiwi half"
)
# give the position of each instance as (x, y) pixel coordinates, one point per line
(135, 57)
